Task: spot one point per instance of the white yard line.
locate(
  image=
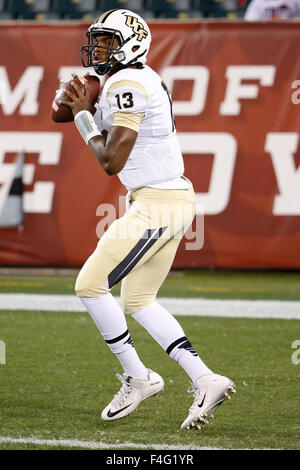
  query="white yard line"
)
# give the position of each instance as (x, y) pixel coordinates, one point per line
(98, 445)
(287, 310)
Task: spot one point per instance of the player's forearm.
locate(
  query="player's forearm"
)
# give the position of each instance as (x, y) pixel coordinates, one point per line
(112, 152)
(98, 146)
(92, 136)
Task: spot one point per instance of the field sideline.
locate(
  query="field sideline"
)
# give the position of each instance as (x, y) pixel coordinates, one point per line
(58, 373)
(285, 310)
(90, 445)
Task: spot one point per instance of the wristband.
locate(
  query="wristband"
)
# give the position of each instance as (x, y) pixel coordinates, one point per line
(86, 125)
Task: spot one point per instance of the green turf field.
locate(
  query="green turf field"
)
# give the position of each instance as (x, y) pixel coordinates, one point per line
(282, 285)
(59, 373)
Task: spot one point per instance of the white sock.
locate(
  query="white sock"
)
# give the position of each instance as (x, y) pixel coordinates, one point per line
(166, 330)
(110, 321)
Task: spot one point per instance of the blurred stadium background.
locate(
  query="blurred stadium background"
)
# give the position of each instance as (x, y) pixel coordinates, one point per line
(235, 91)
(88, 9)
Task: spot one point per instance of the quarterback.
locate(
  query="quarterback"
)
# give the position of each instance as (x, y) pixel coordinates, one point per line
(132, 134)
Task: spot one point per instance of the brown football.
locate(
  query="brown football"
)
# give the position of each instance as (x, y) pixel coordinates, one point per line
(62, 112)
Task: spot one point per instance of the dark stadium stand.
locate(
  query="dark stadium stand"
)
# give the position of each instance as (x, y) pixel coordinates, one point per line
(90, 9)
(75, 10)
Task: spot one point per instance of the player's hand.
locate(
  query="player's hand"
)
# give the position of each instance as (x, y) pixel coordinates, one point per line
(79, 102)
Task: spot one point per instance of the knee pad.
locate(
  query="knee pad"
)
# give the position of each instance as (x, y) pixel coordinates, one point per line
(85, 287)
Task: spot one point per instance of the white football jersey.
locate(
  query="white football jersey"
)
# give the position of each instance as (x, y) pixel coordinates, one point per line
(156, 159)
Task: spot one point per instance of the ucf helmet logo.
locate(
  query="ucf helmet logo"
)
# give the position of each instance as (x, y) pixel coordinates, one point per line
(137, 27)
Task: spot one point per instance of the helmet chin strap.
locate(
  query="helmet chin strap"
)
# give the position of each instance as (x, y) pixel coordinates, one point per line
(106, 68)
(103, 69)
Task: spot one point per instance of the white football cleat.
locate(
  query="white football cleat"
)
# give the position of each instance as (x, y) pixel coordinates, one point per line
(209, 392)
(131, 394)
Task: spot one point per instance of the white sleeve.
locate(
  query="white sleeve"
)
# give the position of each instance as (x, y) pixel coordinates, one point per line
(98, 117)
(297, 8)
(127, 97)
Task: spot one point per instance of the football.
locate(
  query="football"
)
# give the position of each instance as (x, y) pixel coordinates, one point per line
(61, 112)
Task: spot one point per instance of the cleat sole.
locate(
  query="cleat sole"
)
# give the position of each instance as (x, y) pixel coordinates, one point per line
(206, 417)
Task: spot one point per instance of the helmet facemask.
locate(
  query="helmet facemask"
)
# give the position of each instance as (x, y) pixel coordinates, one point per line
(88, 52)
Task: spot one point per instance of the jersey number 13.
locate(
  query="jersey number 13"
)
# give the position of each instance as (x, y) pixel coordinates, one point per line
(125, 100)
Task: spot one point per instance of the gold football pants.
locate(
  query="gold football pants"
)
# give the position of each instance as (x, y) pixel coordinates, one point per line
(139, 248)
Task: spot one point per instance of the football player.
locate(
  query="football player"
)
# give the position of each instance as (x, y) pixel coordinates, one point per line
(132, 134)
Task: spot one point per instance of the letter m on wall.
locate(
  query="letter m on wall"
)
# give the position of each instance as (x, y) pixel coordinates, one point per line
(25, 92)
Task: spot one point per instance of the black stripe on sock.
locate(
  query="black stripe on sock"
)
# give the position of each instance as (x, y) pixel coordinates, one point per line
(188, 347)
(175, 343)
(129, 341)
(134, 256)
(118, 338)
